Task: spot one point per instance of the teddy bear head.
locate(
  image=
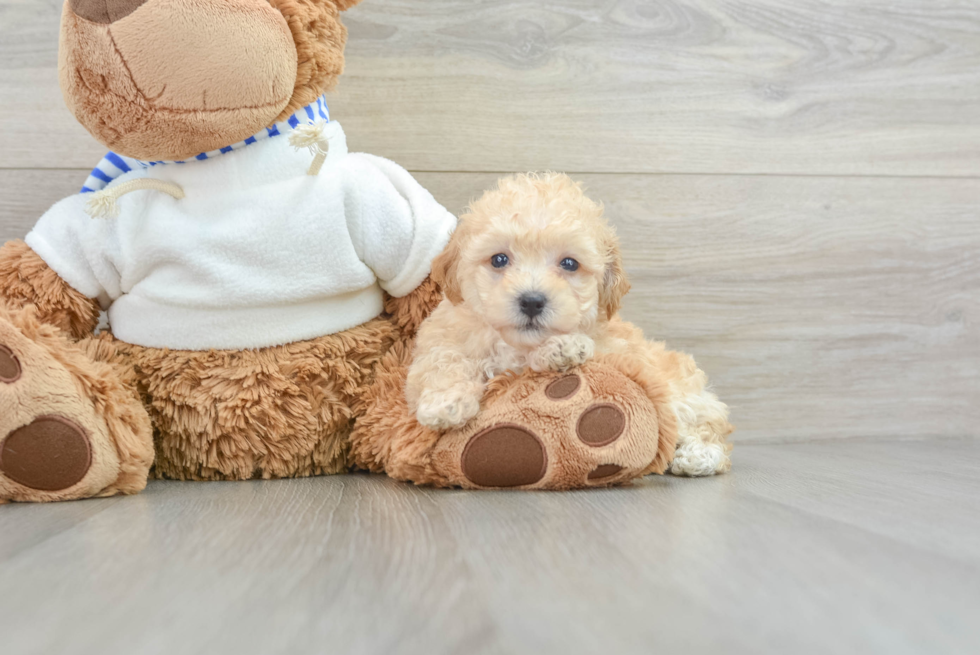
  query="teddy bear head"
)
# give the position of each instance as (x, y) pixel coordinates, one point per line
(168, 79)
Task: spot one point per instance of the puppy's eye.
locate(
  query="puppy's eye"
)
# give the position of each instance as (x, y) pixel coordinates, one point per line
(569, 264)
(499, 260)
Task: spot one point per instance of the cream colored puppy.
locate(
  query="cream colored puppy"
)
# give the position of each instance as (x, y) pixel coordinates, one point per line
(533, 278)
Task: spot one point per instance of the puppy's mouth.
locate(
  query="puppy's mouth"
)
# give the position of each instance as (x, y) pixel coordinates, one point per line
(530, 325)
(527, 333)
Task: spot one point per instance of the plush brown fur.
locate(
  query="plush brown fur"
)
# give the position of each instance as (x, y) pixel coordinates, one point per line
(269, 413)
(387, 438)
(408, 313)
(25, 278)
(60, 378)
(285, 411)
(320, 38)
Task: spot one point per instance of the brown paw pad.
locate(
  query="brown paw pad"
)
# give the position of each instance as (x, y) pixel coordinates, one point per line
(49, 454)
(504, 456)
(564, 387)
(9, 366)
(600, 425)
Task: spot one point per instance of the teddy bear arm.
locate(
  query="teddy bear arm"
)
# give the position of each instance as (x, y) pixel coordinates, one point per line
(409, 311)
(25, 279)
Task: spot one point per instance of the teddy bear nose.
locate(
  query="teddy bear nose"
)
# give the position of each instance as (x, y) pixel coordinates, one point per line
(532, 304)
(105, 11)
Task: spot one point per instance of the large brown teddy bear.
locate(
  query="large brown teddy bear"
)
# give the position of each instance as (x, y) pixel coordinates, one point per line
(261, 299)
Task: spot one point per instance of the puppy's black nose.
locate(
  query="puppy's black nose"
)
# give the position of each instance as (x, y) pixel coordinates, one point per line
(532, 304)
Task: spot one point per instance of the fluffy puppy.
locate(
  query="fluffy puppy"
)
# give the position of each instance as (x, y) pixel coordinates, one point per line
(533, 278)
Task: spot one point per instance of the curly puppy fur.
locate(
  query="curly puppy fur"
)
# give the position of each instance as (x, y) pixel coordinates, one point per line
(555, 247)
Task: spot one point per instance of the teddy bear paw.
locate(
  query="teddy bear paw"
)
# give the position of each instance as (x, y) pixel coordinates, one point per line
(591, 427)
(53, 443)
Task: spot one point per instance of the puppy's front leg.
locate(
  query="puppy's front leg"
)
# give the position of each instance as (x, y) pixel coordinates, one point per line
(444, 389)
(449, 408)
(561, 352)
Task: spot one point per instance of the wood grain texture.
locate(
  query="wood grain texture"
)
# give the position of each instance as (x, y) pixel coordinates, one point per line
(801, 549)
(777, 86)
(27, 194)
(820, 307)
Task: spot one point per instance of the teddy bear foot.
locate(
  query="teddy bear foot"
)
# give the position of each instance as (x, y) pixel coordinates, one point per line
(592, 427)
(61, 416)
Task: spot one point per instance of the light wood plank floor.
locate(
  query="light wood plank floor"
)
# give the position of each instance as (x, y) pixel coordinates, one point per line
(851, 547)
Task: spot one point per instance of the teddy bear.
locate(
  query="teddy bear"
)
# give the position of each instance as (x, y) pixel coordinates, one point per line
(233, 295)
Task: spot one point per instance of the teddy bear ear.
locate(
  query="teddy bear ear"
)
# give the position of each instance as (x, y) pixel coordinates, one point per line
(344, 5)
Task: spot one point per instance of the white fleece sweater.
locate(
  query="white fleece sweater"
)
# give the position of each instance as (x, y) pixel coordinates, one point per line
(256, 254)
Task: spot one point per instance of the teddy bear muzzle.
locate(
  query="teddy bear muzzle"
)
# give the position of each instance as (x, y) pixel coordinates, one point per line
(169, 79)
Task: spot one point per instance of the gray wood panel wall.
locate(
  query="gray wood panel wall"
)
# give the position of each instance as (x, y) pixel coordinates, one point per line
(797, 182)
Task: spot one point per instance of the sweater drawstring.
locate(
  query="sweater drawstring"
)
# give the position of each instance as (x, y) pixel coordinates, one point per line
(319, 138)
(103, 204)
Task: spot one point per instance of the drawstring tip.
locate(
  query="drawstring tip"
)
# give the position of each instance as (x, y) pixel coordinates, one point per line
(102, 204)
(313, 138)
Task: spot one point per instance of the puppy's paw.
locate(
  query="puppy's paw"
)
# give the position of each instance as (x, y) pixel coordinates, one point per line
(697, 459)
(447, 409)
(562, 352)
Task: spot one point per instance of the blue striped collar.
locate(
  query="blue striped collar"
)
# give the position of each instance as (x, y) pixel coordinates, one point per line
(113, 165)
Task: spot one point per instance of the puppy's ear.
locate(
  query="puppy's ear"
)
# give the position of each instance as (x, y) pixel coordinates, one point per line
(344, 5)
(445, 269)
(614, 284)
